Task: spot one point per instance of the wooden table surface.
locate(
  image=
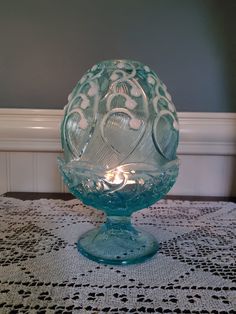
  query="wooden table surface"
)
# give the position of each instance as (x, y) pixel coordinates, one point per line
(68, 196)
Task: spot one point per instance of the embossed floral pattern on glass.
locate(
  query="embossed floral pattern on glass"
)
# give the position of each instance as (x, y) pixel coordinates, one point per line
(119, 137)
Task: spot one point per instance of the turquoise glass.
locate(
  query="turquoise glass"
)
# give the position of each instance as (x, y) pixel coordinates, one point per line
(119, 137)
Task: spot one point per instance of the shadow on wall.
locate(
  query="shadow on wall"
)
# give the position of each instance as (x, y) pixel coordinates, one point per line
(226, 12)
(224, 27)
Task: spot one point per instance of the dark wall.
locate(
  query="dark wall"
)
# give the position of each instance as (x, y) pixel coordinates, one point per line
(46, 46)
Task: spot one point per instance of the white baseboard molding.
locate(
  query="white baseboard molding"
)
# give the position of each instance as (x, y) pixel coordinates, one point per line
(29, 144)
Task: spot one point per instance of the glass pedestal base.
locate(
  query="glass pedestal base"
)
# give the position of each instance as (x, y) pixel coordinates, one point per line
(117, 242)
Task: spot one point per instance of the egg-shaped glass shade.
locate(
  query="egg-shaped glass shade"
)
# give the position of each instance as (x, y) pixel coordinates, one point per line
(119, 137)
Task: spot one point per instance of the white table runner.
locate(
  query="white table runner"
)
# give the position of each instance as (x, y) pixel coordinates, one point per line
(41, 270)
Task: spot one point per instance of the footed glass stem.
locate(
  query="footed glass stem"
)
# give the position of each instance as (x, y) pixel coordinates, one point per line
(117, 242)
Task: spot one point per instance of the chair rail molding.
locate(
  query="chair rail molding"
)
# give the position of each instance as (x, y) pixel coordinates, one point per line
(30, 144)
(201, 133)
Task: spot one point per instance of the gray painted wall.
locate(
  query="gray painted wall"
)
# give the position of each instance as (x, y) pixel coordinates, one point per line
(46, 46)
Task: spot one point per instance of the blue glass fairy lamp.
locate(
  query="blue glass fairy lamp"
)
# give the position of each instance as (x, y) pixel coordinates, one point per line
(119, 137)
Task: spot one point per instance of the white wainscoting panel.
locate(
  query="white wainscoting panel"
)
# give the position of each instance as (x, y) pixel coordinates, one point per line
(21, 171)
(205, 175)
(30, 144)
(46, 167)
(38, 172)
(29, 171)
